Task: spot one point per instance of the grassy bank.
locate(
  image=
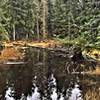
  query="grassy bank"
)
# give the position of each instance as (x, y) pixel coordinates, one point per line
(88, 49)
(78, 41)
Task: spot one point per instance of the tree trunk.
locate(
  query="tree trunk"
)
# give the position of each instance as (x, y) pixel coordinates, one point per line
(27, 36)
(69, 27)
(37, 26)
(14, 32)
(44, 19)
(69, 21)
(50, 28)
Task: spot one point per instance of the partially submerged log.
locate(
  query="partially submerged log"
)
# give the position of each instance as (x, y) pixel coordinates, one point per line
(14, 63)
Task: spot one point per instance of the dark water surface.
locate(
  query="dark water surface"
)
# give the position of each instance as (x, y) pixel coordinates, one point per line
(40, 65)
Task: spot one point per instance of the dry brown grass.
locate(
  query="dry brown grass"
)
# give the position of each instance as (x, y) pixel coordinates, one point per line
(95, 72)
(42, 44)
(92, 95)
(94, 53)
(10, 53)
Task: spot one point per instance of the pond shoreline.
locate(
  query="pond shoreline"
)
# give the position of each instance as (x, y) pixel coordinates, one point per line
(12, 50)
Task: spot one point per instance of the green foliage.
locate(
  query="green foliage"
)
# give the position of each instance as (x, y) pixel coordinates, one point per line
(96, 44)
(3, 34)
(22, 16)
(18, 13)
(75, 21)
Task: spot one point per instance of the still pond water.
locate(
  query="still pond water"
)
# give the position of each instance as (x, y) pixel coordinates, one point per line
(46, 75)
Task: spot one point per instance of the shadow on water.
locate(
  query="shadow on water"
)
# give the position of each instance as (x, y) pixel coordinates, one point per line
(47, 76)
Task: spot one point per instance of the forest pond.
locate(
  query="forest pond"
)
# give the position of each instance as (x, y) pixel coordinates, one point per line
(47, 75)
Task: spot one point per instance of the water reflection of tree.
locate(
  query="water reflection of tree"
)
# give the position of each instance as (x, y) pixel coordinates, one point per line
(38, 57)
(41, 64)
(20, 76)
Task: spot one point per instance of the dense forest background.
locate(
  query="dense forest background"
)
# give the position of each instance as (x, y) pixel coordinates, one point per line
(65, 20)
